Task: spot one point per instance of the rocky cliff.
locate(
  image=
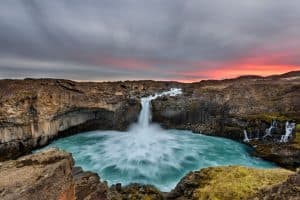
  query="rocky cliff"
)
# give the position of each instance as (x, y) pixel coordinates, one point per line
(228, 107)
(34, 112)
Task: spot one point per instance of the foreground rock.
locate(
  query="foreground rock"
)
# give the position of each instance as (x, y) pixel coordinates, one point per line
(229, 183)
(50, 175)
(46, 175)
(288, 190)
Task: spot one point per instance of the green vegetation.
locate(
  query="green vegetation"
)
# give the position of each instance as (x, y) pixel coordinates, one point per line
(269, 117)
(235, 182)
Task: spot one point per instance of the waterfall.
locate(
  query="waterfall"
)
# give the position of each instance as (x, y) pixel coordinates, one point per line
(289, 127)
(246, 139)
(145, 115)
(269, 130)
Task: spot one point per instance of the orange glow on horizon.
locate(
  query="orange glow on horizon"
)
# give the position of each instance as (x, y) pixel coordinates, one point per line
(233, 72)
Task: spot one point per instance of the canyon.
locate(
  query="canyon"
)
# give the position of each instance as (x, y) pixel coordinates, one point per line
(34, 112)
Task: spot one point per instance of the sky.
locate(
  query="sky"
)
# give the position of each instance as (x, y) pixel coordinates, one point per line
(182, 40)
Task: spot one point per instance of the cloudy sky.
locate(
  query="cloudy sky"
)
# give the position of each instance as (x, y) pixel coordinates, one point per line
(185, 40)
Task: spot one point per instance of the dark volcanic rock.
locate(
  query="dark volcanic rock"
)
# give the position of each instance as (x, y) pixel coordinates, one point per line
(285, 155)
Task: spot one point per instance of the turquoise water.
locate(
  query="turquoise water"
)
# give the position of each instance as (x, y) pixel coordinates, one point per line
(148, 154)
(153, 155)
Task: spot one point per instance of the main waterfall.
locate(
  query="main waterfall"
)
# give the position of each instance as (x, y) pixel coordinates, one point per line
(149, 154)
(145, 115)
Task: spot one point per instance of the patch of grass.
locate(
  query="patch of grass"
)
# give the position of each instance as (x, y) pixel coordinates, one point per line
(236, 182)
(269, 117)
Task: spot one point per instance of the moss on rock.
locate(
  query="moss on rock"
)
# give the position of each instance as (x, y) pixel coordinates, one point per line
(235, 182)
(227, 183)
(269, 117)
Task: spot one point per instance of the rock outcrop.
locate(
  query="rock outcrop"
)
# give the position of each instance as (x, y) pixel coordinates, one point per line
(51, 175)
(228, 183)
(46, 175)
(285, 155)
(288, 190)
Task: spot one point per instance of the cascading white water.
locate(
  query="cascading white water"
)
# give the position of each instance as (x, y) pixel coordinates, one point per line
(246, 139)
(145, 115)
(289, 127)
(269, 130)
(148, 154)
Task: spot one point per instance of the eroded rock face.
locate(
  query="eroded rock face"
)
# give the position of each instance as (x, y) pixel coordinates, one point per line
(34, 112)
(288, 190)
(88, 186)
(286, 155)
(51, 175)
(46, 175)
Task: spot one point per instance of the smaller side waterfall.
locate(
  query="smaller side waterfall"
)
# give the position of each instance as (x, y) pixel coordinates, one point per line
(289, 127)
(269, 130)
(246, 139)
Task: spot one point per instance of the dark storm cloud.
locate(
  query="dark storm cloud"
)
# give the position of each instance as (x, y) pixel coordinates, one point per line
(134, 39)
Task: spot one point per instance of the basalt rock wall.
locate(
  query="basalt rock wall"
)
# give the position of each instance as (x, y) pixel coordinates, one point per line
(225, 108)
